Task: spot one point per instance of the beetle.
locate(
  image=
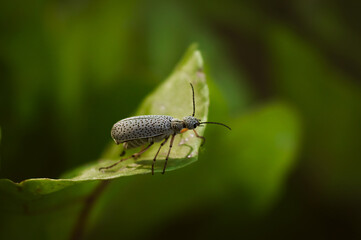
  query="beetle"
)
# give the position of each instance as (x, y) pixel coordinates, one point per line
(138, 131)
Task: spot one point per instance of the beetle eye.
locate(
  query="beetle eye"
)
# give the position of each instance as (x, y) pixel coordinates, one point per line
(195, 125)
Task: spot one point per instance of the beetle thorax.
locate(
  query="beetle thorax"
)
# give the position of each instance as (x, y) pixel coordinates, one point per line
(177, 125)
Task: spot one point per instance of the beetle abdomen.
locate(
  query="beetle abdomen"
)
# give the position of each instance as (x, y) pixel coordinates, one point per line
(135, 143)
(142, 141)
(141, 127)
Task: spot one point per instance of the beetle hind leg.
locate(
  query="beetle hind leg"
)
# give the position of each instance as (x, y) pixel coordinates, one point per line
(135, 156)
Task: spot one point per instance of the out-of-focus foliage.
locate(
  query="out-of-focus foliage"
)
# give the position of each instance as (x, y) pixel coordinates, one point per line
(41, 195)
(283, 74)
(331, 103)
(167, 99)
(269, 138)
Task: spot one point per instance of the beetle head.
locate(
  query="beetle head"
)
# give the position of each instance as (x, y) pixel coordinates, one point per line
(191, 122)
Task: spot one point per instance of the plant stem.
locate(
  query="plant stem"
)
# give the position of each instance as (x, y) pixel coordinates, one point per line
(78, 232)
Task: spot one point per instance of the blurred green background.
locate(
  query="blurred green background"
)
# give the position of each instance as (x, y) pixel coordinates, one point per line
(285, 75)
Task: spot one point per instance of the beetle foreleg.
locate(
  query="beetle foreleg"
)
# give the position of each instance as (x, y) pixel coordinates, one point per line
(170, 147)
(201, 137)
(155, 157)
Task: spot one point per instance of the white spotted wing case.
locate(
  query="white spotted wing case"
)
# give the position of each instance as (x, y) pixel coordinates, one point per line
(141, 127)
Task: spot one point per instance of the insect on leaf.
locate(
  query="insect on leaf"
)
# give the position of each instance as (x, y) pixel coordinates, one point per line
(174, 98)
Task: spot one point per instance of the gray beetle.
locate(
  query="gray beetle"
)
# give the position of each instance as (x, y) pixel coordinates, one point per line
(138, 131)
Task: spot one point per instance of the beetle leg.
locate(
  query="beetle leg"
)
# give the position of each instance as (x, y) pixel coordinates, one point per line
(103, 168)
(135, 155)
(122, 153)
(142, 148)
(201, 137)
(155, 157)
(170, 147)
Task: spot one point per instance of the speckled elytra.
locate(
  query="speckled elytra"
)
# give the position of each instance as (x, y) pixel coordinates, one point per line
(138, 131)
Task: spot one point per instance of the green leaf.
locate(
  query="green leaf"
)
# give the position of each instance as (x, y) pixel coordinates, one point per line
(174, 98)
(263, 145)
(329, 101)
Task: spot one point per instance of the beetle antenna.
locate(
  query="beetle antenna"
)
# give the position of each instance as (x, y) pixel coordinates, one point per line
(217, 124)
(194, 102)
